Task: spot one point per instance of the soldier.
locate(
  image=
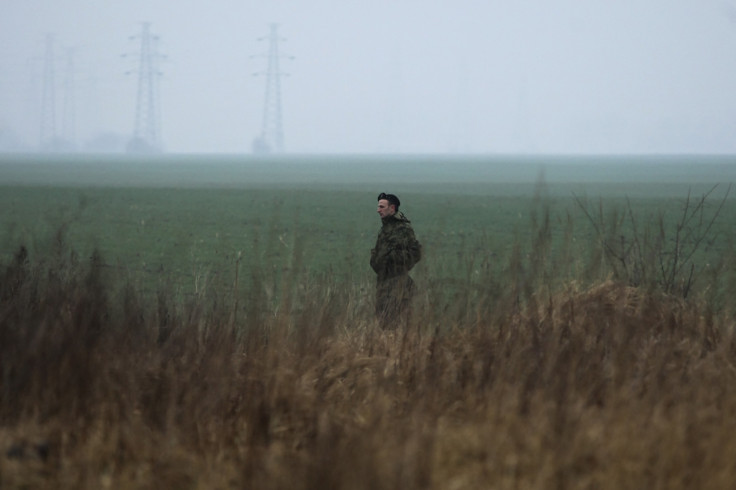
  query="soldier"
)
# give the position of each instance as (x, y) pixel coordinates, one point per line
(396, 252)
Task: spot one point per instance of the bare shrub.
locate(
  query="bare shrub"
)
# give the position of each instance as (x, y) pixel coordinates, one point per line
(657, 253)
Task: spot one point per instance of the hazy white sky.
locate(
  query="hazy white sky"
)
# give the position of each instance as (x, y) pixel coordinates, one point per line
(420, 76)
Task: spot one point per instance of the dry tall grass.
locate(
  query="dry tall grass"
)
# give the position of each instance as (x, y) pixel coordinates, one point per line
(602, 387)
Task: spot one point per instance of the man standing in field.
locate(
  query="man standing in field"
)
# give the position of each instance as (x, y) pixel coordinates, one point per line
(396, 252)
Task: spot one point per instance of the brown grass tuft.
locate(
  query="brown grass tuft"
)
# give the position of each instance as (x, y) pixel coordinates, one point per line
(602, 387)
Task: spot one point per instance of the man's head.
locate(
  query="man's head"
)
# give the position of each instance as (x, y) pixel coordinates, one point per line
(388, 205)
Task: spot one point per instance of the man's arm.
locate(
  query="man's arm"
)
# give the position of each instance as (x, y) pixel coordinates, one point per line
(374, 261)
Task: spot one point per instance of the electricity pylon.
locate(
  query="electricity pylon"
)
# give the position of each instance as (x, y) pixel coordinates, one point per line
(271, 139)
(146, 137)
(68, 113)
(48, 136)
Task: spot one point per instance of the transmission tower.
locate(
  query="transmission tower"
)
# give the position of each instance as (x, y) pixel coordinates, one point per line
(146, 131)
(48, 135)
(271, 139)
(68, 115)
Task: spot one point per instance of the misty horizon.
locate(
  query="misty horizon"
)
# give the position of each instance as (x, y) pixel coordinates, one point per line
(427, 77)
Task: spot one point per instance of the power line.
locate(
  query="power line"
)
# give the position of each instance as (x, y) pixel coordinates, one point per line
(68, 110)
(48, 134)
(146, 131)
(271, 139)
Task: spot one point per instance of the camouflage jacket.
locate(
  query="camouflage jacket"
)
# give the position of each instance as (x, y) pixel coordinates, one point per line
(397, 249)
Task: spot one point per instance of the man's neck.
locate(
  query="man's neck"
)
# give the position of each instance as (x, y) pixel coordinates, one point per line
(390, 217)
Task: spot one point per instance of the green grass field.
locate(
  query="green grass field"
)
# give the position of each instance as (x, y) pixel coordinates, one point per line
(193, 221)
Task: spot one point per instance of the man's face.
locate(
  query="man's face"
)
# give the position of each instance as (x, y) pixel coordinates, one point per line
(385, 209)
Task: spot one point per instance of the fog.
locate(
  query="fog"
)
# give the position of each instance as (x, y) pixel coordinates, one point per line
(383, 76)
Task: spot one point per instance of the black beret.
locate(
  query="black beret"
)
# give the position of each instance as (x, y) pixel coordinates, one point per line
(392, 199)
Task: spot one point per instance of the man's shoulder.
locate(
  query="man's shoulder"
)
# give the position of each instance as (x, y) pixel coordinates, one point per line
(400, 228)
(400, 219)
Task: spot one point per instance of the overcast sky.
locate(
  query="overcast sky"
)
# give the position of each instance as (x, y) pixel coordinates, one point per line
(398, 76)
